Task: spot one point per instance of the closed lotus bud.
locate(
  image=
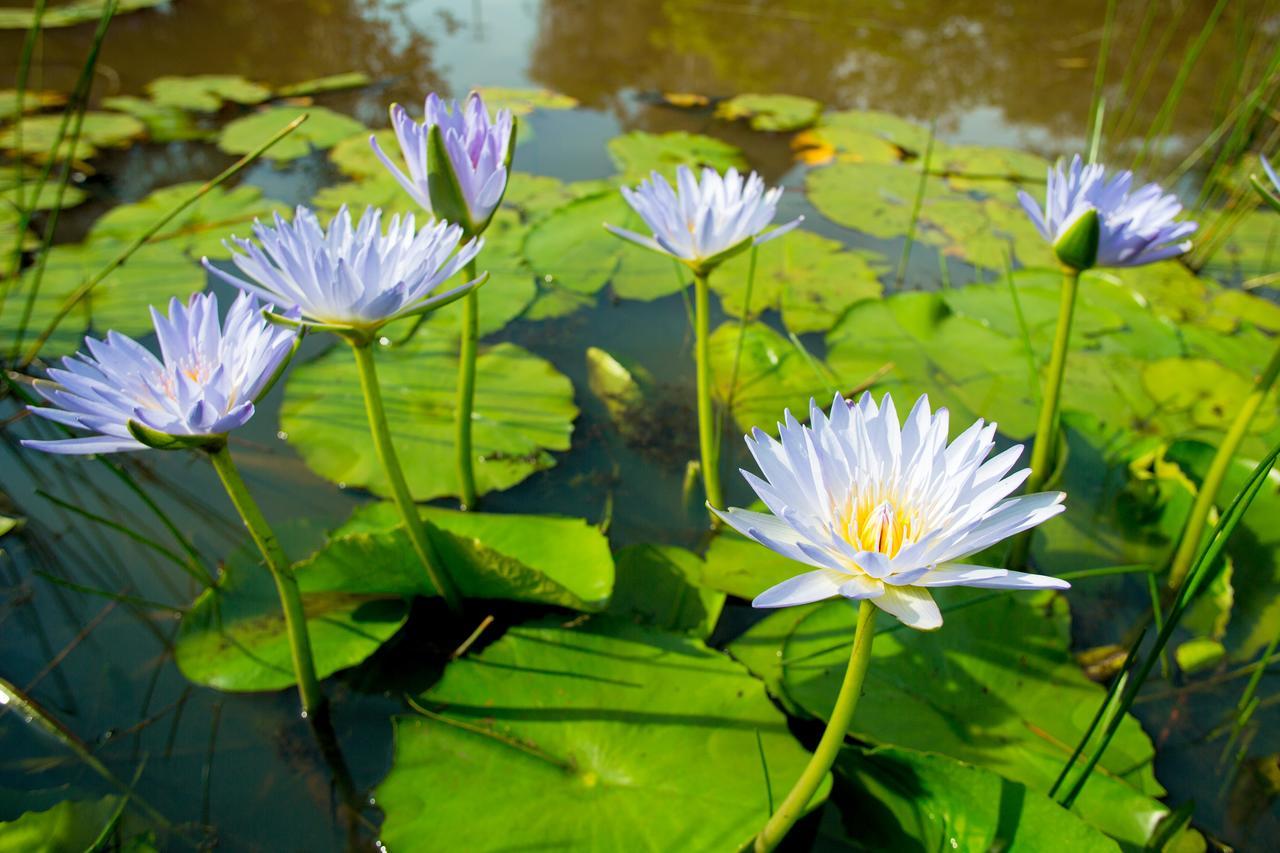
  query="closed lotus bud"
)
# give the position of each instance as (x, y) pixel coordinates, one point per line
(1077, 245)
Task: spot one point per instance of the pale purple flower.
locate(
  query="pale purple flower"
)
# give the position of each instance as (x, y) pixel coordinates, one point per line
(884, 511)
(702, 224)
(205, 383)
(1135, 227)
(352, 276)
(1272, 176)
(478, 151)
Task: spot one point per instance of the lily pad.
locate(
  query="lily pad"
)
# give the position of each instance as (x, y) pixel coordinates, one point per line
(323, 129)
(571, 248)
(638, 153)
(524, 410)
(908, 800)
(69, 14)
(355, 158)
(911, 341)
(902, 133)
(984, 168)
(99, 130)
(206, 93)
(772, 375)
(846, 138)
(1252, 249)
(588, 739)
(810, 279)
(996, 687)
(71, 826)
(524, 101)
(33, 100)
(47, 198)
(164, 123)
(661, 586)
(771, 112)
(874, 198)
(328, 83)
(744, 567)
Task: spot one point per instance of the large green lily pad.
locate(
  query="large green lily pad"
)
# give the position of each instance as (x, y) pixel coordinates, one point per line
(602, 737)
(68, 14)
(662, 586)
(770, 112)
(638, 153)
(995, 687)
(71, 826)
(100, 130)
(206, 93)
(323, 129)
(908, 800)
(875, 198)
(810, 280)
(773, 375)
(33, 100)
(164, 123)
(524, 410)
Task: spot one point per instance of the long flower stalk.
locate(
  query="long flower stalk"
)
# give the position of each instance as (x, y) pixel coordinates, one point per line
(707, 436)
(832, 738)
(467, 393)
(295, 617)
(391, 465)
(1193, 530)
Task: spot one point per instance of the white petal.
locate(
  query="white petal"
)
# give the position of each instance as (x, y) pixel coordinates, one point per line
(959, 574)
(913, 606)
(861, 586)
(802, 589)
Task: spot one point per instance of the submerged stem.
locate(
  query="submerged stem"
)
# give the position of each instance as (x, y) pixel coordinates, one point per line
(832, 738)
(1193, 531)
(467, 393)
(706, 411)
(295, 617)
(1044, 450)
(391, 465)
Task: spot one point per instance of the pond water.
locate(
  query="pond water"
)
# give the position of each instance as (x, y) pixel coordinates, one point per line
(241, 769)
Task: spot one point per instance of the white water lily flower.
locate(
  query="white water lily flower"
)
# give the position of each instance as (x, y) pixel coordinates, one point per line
(884, 511)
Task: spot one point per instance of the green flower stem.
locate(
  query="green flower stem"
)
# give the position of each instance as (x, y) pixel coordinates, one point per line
(1044, 451)
(467, 393)
(706, 413)
(1193, 531)
(832, 739)
(295, 617)
(391, 464)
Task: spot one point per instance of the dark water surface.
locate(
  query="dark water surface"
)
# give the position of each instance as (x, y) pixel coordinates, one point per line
(1017, 74)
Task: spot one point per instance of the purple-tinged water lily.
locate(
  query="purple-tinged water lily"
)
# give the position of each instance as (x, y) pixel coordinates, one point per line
(1093, 220)
(1271, 194)
(204, 385)
(886, 511)
(458, 158)
(352, 277)
(704, 223)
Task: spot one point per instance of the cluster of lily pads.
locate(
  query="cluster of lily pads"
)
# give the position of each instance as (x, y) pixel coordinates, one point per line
(879, 508)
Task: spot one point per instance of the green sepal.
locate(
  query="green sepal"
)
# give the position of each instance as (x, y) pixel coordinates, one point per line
(1268, 195)
(430, 306)
(157, 440)
(447, 199)
(706, 265)
(358, 333)
(1077, 248)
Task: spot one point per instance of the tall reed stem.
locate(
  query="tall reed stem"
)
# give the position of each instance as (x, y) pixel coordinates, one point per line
(1193, 531)
(706, 412)
(295, 617)
(467, 393)
(1044, 451)
(832, 739)
(391, 465)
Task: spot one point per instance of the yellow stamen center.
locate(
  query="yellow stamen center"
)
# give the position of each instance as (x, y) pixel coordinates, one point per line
(879, 525)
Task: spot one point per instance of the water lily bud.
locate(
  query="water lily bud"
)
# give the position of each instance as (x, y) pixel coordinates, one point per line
(1077, 245)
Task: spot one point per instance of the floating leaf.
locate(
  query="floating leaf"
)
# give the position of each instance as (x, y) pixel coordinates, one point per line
(329, 83)
(206, 93)
(874, 198)
(524, 409)
(571, 248)
(69, 14)
(810, 279)
(99, 130)
(71, 826)
(638, 153)
(164, 123)
(33, 100)
(1250, 251)
(323, 129)
(901, 132)
(848, 138)
(770, 112)
(661, 586)
(984, 168)
(582, 737)
(524, 101)
(354, 157)
(46, 200)
(772, 375)
(743, 567)
(912, 340)
(995, 687)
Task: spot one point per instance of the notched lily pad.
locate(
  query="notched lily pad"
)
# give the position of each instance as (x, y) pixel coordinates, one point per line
(206, 93)
(770, 112)
(638, 153)
(323, 129)
(582, 737)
